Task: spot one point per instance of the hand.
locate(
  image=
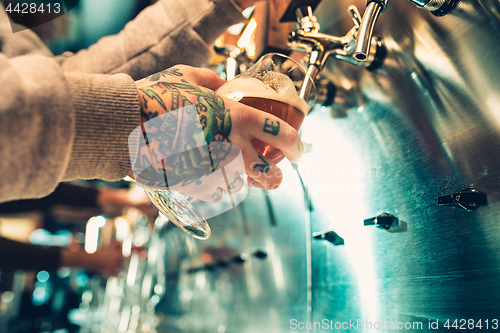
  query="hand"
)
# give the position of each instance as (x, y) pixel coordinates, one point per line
(107, 261)
(184, 97)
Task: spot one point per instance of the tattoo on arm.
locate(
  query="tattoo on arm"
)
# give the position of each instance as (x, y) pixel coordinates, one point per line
(195, 160)
(264, 167)
(166, 72)
(235, 184)
(271, 127)
(215, 196)
(298, 146)
(152, 95)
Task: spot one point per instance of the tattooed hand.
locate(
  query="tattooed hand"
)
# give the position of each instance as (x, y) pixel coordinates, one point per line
(190, 133)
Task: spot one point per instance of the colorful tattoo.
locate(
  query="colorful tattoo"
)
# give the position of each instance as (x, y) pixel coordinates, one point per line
(186, 130)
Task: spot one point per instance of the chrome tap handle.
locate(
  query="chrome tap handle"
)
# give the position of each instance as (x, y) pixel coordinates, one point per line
(356, 17)
(365, 32)
(307, 23)
(319, 47)
(382, 3)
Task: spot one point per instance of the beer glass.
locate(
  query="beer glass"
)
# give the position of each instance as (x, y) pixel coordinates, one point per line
(275, 84)
(179, 210)
(278, 85)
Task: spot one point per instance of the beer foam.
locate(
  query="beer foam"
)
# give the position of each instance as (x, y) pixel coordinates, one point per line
(282, 90)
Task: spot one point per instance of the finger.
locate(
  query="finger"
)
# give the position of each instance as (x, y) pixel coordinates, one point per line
(277, 133)
(207, 188)
(235, 183)
(202, 77)
(205, 194)
(267, 128)
(260, 169)
(216, 196)
(252, 182)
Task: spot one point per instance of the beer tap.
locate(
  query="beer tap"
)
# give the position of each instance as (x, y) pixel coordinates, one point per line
(358, 47)
(237, 59)
(365, 27)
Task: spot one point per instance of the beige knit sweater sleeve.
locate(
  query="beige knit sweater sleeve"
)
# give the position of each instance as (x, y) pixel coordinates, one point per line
(64, 118)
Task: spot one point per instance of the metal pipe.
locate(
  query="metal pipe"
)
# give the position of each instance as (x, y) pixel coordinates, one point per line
(308, 85)
(365, 32)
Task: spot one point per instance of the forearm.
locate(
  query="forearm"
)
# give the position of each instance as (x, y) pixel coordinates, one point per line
(36, 122)
(107, 110)
(107, 260)
(16, 255)
(165, 34)
(58, 126)
(79, 259)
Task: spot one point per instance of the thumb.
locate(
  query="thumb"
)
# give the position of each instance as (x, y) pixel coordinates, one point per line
(206, 78)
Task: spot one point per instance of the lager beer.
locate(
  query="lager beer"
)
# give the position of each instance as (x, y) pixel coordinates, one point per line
(283, 103)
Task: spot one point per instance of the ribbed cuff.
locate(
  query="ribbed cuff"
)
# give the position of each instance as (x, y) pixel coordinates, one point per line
(107, 110)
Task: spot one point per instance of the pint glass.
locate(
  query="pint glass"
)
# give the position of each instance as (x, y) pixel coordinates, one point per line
(278, 85)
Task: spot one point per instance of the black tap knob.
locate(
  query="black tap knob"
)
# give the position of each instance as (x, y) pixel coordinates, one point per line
(468, 199)
(330, 236)
(194, 270)
(240, 259)
(224, 262)
(261, 254)
(383, 221)
(209, 267)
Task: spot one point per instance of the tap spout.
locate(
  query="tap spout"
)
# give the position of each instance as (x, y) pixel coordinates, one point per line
(365, 32)
(319, 46)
